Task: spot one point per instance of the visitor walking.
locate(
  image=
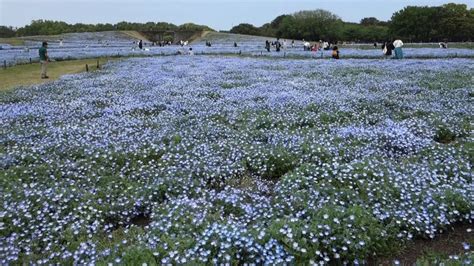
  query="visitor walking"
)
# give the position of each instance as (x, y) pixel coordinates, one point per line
(140, 44)
(267, 45)
(44, 58)
(398, 49)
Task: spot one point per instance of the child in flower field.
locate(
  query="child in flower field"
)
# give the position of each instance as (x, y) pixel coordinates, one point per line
(335, 52)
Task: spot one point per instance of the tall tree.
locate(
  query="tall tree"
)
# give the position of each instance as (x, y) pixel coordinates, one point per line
(371, 21)
(245, 28)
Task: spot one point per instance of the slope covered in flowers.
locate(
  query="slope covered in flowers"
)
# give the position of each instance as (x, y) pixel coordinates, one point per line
(119, 44)
(213, 160)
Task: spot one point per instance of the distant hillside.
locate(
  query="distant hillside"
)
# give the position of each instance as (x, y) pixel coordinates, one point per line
(104, 37)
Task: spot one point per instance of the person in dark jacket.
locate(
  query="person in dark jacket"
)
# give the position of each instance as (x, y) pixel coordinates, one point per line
(44, 59)
(278, 45)
(387, 48)
(335, 52)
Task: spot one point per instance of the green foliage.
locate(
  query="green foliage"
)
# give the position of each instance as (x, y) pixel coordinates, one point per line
(6, 32)
(245, 28)
(272, 163)
(317, 24)
(136, 255)
(444, 135)
(371, 21)
(450, 22)
(193, 27)
(49, 27)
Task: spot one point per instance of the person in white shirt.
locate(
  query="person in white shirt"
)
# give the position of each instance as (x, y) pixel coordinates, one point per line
(398, 49)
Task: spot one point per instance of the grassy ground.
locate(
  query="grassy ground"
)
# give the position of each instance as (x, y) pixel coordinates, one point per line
(135, 35)
(12, 41)
(30, 74)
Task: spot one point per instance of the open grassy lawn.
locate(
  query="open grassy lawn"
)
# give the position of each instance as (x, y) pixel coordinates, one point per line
(31, 73)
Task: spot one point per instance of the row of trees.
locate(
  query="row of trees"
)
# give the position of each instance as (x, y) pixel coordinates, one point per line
(48, 27)
(317, 25)
(450, 22)
(6, 32)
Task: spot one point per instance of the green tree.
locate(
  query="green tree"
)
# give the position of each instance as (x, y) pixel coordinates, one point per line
(371, 21)
(457, 22)
(245, 28)
(6, 32)
(450, 22)
(317, 24)
(194, 27)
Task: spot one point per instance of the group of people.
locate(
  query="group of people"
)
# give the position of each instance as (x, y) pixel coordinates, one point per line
(396, 46)
(318, 46)
(161, 43)
(278, 45)
(388, 49)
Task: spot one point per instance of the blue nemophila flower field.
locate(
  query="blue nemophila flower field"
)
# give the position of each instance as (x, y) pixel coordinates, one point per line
(118, 44)
(206, 160)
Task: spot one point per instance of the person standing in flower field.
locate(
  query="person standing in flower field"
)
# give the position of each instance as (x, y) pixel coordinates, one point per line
(335, 52)
(44, 58)
(387, 49)
(398, 49)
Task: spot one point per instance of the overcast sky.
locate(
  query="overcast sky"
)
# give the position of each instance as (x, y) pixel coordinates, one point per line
(218, 14)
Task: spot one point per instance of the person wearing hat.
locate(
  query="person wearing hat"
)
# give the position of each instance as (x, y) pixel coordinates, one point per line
(44, 58)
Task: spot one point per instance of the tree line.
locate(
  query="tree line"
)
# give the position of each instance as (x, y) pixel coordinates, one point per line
(449, 22)
(49, 27)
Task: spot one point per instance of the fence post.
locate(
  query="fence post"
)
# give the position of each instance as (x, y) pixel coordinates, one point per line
(30, 60)
(87, 68)
(5, 64)
(240, 52)
(98, 66)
